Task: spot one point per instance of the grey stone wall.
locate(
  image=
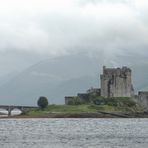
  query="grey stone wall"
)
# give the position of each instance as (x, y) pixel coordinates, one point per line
(84, 97)
(116, 82)
(68, 99)
(96, 91)
(143, 99)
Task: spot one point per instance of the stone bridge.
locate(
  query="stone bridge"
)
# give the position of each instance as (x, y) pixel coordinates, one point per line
(9, 108)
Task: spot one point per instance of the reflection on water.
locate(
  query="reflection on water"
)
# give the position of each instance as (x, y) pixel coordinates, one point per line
(74, 133)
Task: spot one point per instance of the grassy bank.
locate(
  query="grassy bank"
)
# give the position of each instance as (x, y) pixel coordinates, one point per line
(113, 106)
(119, 106)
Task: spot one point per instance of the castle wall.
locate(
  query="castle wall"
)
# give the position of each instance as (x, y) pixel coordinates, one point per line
(116, 82)
(68, 99)
(143, 99)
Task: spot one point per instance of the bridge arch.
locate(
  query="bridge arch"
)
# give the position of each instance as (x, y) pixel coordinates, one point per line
(16, 111)
(3, 111)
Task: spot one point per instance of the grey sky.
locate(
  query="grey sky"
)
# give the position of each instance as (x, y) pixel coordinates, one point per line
(33, 30)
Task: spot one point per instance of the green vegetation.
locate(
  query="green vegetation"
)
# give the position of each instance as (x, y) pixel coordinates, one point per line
(42, 102)
(119, 104)
(118, 101)
(107, 105)
(77, 108)
(75, 101)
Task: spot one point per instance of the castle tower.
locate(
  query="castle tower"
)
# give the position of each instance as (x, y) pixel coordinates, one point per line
(116, 82)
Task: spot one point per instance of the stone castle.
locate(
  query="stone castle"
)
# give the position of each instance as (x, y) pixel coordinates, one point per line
(116, 82)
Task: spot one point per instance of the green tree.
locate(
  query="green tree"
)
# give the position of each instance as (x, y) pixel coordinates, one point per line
(42, 102)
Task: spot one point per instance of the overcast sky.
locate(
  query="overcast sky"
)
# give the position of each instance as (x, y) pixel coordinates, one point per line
(34, 30)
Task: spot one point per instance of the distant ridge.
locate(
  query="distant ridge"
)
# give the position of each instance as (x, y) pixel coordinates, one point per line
(58, 77)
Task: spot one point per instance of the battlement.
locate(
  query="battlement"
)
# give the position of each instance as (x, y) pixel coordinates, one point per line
(116, 71)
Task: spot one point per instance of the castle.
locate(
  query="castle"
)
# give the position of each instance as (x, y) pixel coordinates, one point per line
(116, 82)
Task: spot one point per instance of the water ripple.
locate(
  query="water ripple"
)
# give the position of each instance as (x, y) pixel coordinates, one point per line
(74, 133)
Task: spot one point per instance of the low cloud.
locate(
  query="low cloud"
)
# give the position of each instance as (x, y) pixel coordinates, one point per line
(41, 29)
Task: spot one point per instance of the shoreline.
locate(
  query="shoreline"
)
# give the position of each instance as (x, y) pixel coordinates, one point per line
(80, 115)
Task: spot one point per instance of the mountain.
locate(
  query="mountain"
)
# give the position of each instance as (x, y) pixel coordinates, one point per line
(53, 78)
(140, 76)
(59, 77)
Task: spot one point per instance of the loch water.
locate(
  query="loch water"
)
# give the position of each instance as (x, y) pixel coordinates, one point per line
(74, 133)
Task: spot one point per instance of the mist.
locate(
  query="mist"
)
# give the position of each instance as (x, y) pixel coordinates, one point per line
(49, 29)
